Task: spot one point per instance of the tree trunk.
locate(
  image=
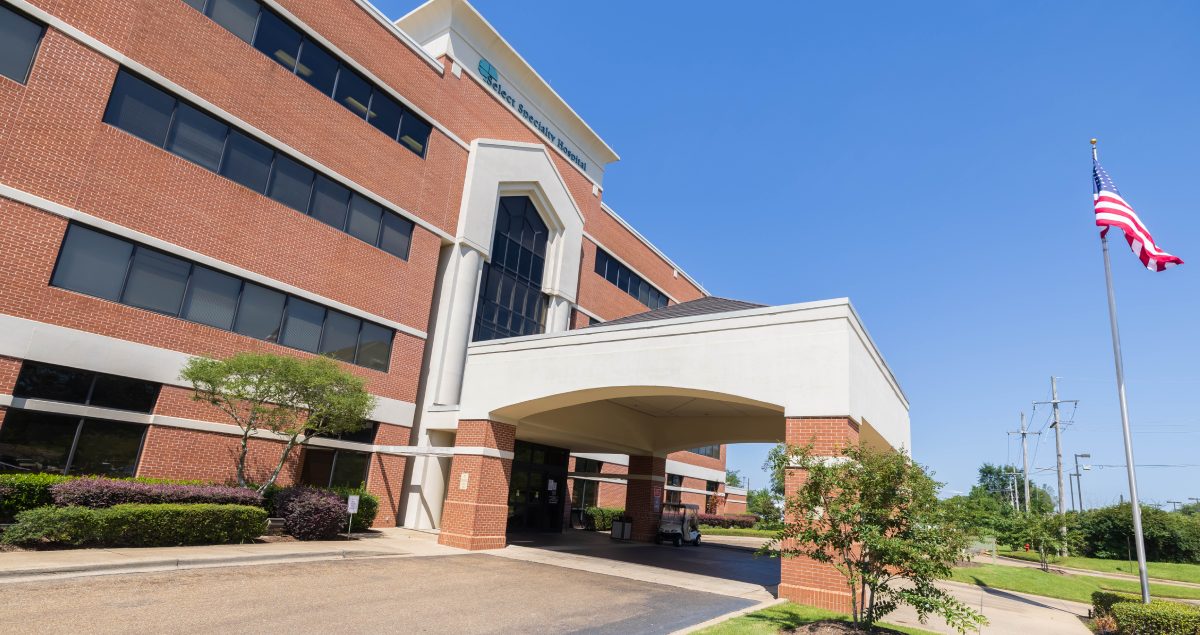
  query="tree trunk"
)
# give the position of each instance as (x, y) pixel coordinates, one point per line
(287, 449)
(241, 462)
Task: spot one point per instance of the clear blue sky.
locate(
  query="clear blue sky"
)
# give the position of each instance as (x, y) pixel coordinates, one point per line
(929, 161)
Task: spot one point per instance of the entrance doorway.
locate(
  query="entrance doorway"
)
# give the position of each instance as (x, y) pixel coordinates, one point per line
(537, 486)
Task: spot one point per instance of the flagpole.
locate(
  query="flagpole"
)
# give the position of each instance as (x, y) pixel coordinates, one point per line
(1133, 493)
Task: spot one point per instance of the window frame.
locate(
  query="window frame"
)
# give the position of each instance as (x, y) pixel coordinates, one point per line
(192, 265)
(628, 281)
(279, 161)
(37, 45)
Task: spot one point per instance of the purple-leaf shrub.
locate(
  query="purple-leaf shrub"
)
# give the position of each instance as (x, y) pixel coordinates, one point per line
(309, 513)
(103, 492)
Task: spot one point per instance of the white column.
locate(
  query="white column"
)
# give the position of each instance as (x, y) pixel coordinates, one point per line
(463, 274)
(558, 314)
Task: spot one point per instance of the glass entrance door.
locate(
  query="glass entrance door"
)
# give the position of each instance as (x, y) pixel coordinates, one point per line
(537, 488)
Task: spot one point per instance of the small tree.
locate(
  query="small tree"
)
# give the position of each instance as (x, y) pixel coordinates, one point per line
(733, 478)
(296, 398)
(1042, 532)
(764, 504)
(875, 517)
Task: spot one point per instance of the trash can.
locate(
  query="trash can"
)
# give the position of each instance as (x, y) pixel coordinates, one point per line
(622, 528)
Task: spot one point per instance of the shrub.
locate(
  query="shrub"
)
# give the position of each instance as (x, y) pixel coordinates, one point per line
(26, 491)
(55, 526)
(603, 517)
(104, 492)
(1103, 601)
(137, 525)
(1156, 618)
(741, 521)
(169, 524)
(368, 506)
(310, 513)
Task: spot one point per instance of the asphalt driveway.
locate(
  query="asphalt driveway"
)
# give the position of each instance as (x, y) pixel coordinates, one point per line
(474, 593)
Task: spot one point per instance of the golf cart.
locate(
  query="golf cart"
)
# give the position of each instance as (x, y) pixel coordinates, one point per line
(679, 523)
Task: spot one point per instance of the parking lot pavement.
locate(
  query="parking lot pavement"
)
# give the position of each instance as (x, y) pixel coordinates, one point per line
(473, 593)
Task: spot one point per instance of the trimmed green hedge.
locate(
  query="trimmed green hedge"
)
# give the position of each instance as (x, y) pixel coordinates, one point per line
(19, 492)
(603, 517)
(137, 525)
(1103, 601)
(1156, 618)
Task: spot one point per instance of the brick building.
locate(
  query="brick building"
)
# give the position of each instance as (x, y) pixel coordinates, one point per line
(187, 178)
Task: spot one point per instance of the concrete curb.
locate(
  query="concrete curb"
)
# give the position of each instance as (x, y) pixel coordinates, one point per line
(168, 564)
(730, 615)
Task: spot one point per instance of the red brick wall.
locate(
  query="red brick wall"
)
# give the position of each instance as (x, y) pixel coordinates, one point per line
(386, 476)
(803, 580)
(477, 517)
(211, 456)
(639, 495)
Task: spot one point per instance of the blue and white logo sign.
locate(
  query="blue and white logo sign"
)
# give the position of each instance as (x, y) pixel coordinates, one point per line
(487, 71)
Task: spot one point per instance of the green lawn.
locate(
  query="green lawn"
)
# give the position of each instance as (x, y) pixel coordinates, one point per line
(787, 617)
(1163, 570)
(1067, 587)
(736, 531)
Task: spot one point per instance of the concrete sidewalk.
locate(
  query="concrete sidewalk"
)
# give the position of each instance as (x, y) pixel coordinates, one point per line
(21, 566)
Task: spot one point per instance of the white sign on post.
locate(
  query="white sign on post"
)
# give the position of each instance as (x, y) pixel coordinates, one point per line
(352, 503)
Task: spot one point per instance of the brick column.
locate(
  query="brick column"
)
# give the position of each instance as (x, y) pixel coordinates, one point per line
(475, 514)
(647, 480)
(801, 579)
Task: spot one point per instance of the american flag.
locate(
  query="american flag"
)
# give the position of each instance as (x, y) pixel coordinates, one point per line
(1113, 211)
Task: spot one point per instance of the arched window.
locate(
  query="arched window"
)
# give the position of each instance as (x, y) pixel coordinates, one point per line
(511, 301)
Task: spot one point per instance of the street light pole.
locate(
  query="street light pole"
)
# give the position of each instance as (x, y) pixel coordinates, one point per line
(1079, 476)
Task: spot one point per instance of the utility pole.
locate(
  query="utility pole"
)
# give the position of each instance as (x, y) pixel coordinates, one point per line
(1175, 505)
(1079, 476)
(1024, 432)
(1057, 425)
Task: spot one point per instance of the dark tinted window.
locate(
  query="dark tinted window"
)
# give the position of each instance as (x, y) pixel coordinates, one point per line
(329, 203)
(396, 236)
(278, 40)
(35, 441)
(92, 263)
(511, 302)
(195, 4)
(139, 109)
(363, 435)
(19, 38)
(365, 218)
(374, 346)
(107, 448)
(59, 383)
(414, 133)
(238, 16)
(197, 137)
(260, 313)
(349, 469)
(247, 162)
(291, 183)
(340, 337)
(55, 383)
(318, 464)
(302, 325)
(156, 281)
(385, 113)
(124, 393)
(353, 92)
(211, 298)
(317, 67)
(626, 280)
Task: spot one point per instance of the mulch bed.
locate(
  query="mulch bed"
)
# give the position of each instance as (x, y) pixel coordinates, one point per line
(835, 627)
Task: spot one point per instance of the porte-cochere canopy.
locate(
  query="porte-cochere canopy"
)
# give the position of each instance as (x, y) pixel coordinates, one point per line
(653, 386)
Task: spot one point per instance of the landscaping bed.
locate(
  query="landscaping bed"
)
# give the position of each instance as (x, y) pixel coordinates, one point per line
(798, 618)
(50, 511)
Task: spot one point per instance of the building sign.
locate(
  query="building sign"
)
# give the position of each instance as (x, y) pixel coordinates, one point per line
(492, 77)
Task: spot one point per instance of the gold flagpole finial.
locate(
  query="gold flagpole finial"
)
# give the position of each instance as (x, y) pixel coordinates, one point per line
(1094, 141)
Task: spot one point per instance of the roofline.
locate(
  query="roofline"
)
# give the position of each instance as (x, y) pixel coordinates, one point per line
(502, 40)
(646, 241)
(405, 38)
